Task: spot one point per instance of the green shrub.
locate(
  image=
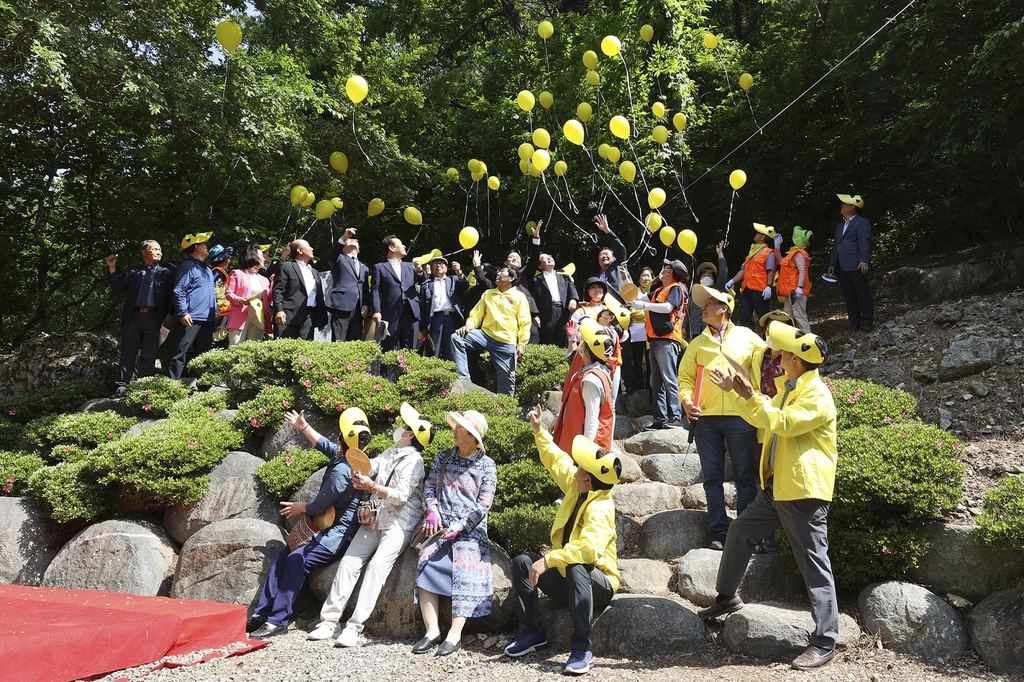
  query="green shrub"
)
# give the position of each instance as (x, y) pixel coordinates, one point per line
(1001, 526)
(70, 491)
(542, 368)
(153, 396)
(248, 367)
(287, 472)
(522, 529)
(864, 555)
(376, 396)
(10, 434)
(69, 453)
(863, 403)
(67, 397)
(265, 411)
(87, 429)
(508, 437)
(15, 470)
(524, 482)
(199, 405)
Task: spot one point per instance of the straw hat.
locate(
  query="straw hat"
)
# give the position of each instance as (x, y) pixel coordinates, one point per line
(472, 421)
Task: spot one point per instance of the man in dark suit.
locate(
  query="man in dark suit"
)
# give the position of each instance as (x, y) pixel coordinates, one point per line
(393, 296)
(610, 258)
(851, 252)
(555, 294)
(147, 306)
(348, 298)
(441, 306)
(298, 295)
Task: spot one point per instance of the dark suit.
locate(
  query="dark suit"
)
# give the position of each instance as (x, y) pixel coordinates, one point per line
(850, 250)
(553, 314)
(397, 301)
(290, 297)
(441, 325)
(347, 296)
(611, 275)
(140, 335)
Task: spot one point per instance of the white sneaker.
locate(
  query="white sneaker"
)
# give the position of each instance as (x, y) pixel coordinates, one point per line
(347, 638)
(325, 630)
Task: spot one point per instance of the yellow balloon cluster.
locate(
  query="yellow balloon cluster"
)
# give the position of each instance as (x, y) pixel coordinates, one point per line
(356, 89)
(298, 195)
(229, 35)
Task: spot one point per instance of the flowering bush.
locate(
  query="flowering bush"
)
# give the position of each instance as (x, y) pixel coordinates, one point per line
(376, 396)
(76, 428)
(542, 368)
(199, 405)
(863, 403)
(70, 491)
(153, 396)
(15, 469)
(524, 482)
(64, 398)
(247, 368)
(287, 472)
(1002, 524)
(265, 411)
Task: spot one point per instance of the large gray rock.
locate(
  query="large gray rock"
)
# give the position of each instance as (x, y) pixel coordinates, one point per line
(878, 371)
(279, 440)
(674, 533)
(644, 576)
(552, 401)
(768, 576)
(643, 499)
(956, 564)
(912, 620)
(626, 531)
(674, 469)
(100, 405)
(637, 403)
(779, 630)
(664, 440)
(234, 492)
(141, 426)
(227, 561)
(115, 556)
(970, 356)
(996, 624)
(623, 428)
(631, 471)
(694, 497)
(917, 284)
(28, 543)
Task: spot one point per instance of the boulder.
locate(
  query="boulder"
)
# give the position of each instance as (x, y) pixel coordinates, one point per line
(674, 533)
(135, 557)
(956, 564)
(552, 401)
(663, 440)
(100, 405)
(768, 576)
(631, 471)
(694, 497)
(226, 415)
(996, 624)
(141, 426)
(637, 403)
(623, 428)
(674, 469)
(779, 630)
(234, 492)
(911, 620)
(626, 533)
(48, 361)
(970, 356)
(644, 576)
(916, 284)
(642, 421)
(278, 440)
(643, 499)
(228, 561)
(879, 372)
(28, 542)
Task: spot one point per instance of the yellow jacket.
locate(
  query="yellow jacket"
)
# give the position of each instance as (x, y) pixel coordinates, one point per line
(806, 454)
(505, 317)
(593, 537)
(742, 345)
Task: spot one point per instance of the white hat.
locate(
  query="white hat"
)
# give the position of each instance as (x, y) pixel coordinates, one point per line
(472, 421)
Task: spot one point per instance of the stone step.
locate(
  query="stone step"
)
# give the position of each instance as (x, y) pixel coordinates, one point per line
(768, 576)
(779, 630)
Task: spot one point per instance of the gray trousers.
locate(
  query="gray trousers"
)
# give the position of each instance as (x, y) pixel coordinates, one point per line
(805, 523)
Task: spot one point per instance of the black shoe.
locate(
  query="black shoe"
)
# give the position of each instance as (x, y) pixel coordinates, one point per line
(426, 644)
(655, 426)
(676, 424)
(728, 605)
(254, 623)
(447, 648)
(267, 630)
(119, 392)
(767, 547)
(863, 328)
(717, 545)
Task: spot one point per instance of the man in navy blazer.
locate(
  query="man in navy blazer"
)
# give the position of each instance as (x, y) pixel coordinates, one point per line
(851, 260)
(147, 306)
(393, 296)
(348, 297)
(555, 294)
(298, 300)
(441, 306)
(610, 258)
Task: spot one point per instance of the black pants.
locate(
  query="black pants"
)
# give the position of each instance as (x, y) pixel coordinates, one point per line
(552, 331)
(195, 340)
(635, 376)
(402, 333)
(752, 307)
(346, 325)
(859, 307)
(583, 589)
(140, 337)
(300, 326)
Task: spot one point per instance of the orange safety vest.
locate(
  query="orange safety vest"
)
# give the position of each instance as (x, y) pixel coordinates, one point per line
(789, 275)
(755, 274)
(573, 414)
(675, 317)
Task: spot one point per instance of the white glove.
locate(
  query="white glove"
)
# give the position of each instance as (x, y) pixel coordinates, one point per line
(799, 292)
(639, 305)
(767, 293)
(778, 240)
(728, 285)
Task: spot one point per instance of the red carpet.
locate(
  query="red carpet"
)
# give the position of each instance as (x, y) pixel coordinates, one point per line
(52, 635)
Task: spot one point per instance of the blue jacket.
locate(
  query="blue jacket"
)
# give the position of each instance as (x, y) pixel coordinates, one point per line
(193, 291)
(335, 490)
(854, 247)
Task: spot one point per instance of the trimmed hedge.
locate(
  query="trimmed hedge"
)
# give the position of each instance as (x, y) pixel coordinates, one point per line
(1001, 526)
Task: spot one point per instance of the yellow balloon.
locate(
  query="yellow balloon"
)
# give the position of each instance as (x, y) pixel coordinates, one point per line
(542, 138)
(590, 59)
(656, 198)
(560, 168)
(308, 201)
(610, 45)
(338, 203)
(524, 165)
(339, 162)
(534, 171)
(688, 241)
(473, 165)
(298, 194)
(737, 178)
(647, 33)
(653, 222)
(525, 100)
(468, 237)
(546, 99)
(324, 209)
(593, 77)
(452, 174)
(332, 191)
(667, 235)
(660, 134)
(584, 111)
(375, 207)
(614, 154)
(619, 127)
(573, 131)
(481, 167)
(412, 216)
(679, 121)
(602, 150)
(627, 169)
(658, 109)
(746, 81)
(545, 30)
(477, 177)
(541, 159)
(710, 41)
(356, 89)
(229, 35)
(494, 183)
(525, 150)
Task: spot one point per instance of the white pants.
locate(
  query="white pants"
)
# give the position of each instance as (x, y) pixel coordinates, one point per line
(798, 311)
(384, 547)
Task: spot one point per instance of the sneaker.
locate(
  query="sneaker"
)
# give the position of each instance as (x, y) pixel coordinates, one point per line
(720, 608)
(717, 545)
(325, 630)
(677, 424)
(349, 637)
(579, 662)
(527, 642)
(656, 426)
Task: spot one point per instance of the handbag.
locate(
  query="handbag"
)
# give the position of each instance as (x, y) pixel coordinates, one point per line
(307, 527)
(369, 507)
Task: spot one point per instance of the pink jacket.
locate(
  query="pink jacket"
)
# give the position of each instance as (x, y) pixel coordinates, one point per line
(238, 293)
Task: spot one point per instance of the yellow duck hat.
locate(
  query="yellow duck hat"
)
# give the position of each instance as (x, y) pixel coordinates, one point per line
(700, 295)
(805, 345)
(766, 230)
(855, 200)
(421, 428)
(597, 339)
(595, 460)
(352, 422)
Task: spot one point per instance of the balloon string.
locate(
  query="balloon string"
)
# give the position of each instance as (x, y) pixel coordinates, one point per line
(555, 205)
(718, 58)
(547, 63)
(629, 93)
(224, 86)
(369, 161)
(752, 114)
(728, 222)
(465, 212)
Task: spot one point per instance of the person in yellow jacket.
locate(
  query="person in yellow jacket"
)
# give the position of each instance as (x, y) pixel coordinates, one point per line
(712, 413)
(581, 570)
(797, 477)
